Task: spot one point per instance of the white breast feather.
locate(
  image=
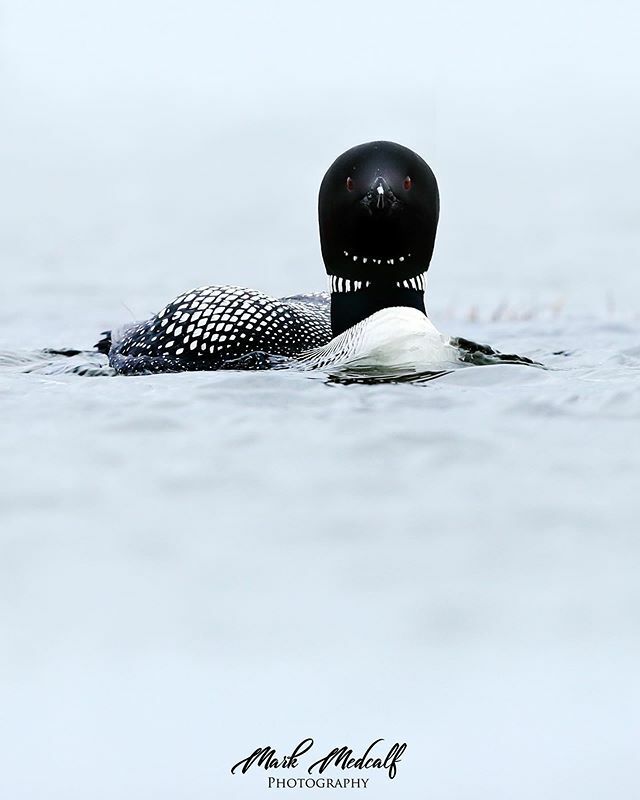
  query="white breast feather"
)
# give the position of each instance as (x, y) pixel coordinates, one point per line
(398, 338)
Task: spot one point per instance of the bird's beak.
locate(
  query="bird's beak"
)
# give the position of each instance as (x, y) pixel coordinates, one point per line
(379, 197)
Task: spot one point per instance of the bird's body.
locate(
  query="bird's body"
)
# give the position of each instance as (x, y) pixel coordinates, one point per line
(218, 327)
(378, 211)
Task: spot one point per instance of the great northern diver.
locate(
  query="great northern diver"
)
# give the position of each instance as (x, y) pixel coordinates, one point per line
(378, 213)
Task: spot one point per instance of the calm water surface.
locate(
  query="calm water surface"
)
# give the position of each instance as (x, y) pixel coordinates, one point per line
(451, 564)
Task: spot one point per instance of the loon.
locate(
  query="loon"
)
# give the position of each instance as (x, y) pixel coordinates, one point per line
(378, 210)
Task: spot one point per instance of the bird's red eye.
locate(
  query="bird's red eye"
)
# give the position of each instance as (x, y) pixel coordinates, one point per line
(407, 183)
(350, 184)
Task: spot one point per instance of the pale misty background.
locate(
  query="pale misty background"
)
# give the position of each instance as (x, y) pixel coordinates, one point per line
(196, 565)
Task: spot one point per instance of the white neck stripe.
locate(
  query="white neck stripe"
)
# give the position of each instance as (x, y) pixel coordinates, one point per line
(341, 285)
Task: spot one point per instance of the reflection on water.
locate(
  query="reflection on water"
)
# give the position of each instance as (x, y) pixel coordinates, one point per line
(348, 377)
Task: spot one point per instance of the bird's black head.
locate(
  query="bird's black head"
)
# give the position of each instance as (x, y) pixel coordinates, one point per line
(378, 211)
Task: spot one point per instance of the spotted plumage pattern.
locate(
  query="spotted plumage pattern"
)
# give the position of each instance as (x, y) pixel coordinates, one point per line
(221, 327)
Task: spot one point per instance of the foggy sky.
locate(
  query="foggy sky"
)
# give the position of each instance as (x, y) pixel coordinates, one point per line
(149, 146)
